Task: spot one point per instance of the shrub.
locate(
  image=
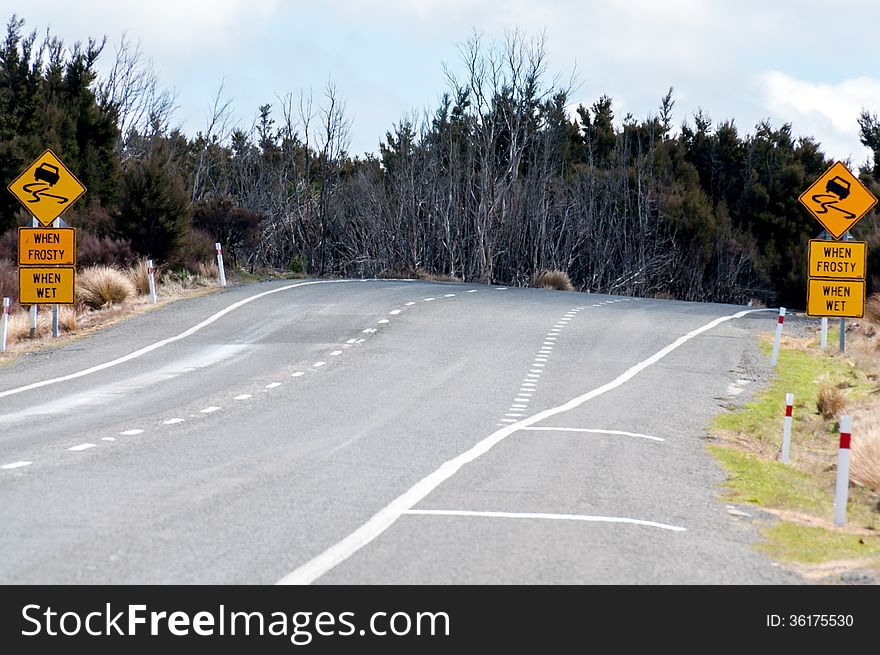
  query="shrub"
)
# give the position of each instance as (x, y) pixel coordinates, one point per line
(102, 286)
(831, 402)
(557, 280)
(92, 250)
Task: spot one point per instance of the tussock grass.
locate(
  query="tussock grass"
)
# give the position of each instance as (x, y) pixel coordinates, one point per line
(555, 280)
(865, 451)
(139, 277)
(210, 270)
(831, 403)
(872, 309)
(19, 328)
(102, 286)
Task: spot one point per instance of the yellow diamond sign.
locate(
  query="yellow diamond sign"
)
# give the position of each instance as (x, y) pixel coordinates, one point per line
(837, 200)
(47, 188)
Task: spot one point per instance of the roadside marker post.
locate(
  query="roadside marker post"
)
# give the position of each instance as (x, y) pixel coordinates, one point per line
(5, 324)
(33, 331)
(842, 339)
(220, 264)
(778, 336)
(786, 428)
(151, 276)
(823, 339)
(841, 489)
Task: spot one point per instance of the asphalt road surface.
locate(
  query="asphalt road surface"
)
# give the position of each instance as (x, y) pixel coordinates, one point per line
(379, 432)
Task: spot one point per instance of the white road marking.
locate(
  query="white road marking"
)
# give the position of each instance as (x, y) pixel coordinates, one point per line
(131, 433)
(449, 295)
(734, 390)
(533, 376)
(383, 321)
(501, 288)
(318, 364)
(519, 406)
(164, 342)
(394, 312)
(472, 291)
(351, 341)
(173, 421)
(244, 396)
(504, 420)
(540, 359)
(83, 446)
(429, 299)
(515, 414)
(15, 465)
(362, 340)
(271, 385)
(388, 515)
(549, 343)
(537, 364)
(521, 398)
(336, 353)
(297, 374)
(108, 438)
(410, 304)
(369, 330)
(214, 408)
(542, 516)
(592, 431)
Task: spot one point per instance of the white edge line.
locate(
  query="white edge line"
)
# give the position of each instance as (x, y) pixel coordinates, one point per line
(15, 465)
(164, 342)
(388, 515)
(544, 516)
(593, 431)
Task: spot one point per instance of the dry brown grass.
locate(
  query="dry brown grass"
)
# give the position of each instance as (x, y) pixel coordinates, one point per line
(209, 270)
(872, 309)
(102, 286)
(830, 402)
(556, 280)
(20, 323)
(139, 277)
(865, 462)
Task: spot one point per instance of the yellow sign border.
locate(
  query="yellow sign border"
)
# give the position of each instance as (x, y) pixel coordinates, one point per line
(43, 301)
(837, 237)
(67, 170)
(825, 279)
(863, 244)
(66, 262)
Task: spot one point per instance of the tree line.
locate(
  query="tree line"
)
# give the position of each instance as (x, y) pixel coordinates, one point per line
(497, 183)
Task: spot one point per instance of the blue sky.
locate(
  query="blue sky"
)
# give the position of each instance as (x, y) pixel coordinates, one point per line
(814, 64)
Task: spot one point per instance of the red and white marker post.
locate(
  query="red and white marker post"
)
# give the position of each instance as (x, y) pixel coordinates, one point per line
(151, 276)
(220, 264)
(841, 489)
(786, 428)
(778, 336)
(5, 324)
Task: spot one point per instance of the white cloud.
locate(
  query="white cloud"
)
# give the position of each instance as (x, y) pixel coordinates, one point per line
(828, 111)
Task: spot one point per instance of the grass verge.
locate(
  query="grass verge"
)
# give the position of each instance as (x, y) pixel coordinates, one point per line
(747, 441)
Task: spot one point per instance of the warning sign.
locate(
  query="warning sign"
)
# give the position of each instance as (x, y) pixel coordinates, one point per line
(837, 200)
(46, 285)
(836, 298)
(837, 259)
(47, 188)
(46, 246)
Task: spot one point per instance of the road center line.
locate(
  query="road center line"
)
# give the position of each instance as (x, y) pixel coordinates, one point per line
(15, 465)
(543, 516)
(82, 446)
(388, 515)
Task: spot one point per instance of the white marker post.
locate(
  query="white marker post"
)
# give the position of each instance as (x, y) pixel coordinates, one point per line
(786, 428)
(842, 339)
(5, 324)
(56, 332)
(220, 264)
(841, 489)
(151, 276)
(778, 336)
(823, 335)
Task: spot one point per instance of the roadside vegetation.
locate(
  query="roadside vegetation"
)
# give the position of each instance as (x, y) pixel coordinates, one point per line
(747, 442)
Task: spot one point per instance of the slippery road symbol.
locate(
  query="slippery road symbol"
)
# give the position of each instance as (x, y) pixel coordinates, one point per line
(837, 189)
(45, 177)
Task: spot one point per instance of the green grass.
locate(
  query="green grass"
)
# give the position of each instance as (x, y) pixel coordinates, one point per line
(790, 542)
(803, 374)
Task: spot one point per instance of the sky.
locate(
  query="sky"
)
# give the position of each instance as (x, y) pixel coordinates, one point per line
(812, 64)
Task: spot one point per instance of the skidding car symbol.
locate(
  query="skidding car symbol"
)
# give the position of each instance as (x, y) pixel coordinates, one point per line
(838, 186)
(47, 173)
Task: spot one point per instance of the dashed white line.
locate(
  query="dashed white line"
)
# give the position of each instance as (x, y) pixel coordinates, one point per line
(82, 446)
(449, 295)
(383, 321)
(394, 312)
(429, 299)
(336, 353)
(173, 421)
(244, 396)
(351, 341)
(297, 374)
(410, 304)
(271, 385)
(214, 408)
(471, 291)
(318, 364)
(369, 330)
(131, 433)
(501, 288)
(15, 465)
(519, 406)
(108, 438)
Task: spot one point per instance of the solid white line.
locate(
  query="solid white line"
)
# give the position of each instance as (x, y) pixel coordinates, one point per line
(82, 446)
(214, 408)
(336, 353)
(318, 364)
(591, 431)
(131, 433)
(543, 516)
(15, 465)
(388, 515)
(173, 421)
(164, 342)
(394, 312)
(244, 396)
(271, 385)
(297, 374)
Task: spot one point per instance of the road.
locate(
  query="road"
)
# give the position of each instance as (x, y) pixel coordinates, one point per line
(379, 432)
